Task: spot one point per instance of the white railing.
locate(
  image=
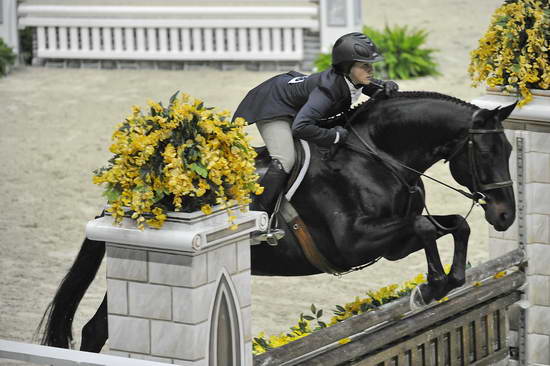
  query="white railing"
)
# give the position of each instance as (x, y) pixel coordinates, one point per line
(43, 355)
(170, 32)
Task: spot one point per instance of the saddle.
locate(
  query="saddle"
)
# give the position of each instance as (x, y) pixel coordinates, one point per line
(299, 169)
(287, 218)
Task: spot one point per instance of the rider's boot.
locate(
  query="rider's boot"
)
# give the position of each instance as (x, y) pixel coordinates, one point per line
(273, 182)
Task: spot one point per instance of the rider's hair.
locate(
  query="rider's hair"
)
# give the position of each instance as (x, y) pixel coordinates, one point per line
(343, 68)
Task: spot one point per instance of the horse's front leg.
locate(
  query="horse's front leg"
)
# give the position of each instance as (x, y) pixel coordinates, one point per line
(461, 234)
(436, 288)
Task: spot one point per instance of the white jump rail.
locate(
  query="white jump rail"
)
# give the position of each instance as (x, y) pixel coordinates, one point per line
(171, 33)
(59, 356)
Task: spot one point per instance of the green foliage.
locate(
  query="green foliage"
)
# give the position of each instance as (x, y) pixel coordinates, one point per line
(404, 57)
(25, 39)
(317, 315)
(7, 57)
(544, 3)
(323, 61)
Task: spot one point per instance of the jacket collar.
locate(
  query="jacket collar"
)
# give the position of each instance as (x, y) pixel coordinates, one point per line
(355, 92)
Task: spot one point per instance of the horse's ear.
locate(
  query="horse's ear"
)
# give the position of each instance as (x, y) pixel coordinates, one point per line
(482, 115)
(506, 111)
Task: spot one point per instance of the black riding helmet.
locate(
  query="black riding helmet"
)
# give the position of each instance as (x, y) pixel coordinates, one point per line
(353, 47)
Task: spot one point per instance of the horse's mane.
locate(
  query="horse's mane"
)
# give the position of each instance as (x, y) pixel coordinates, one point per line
(418, 94)
(437, 96)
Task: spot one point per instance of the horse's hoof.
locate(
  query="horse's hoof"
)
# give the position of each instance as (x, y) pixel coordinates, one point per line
(416, 301)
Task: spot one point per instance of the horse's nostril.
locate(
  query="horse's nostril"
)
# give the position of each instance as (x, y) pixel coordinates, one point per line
(503, 216)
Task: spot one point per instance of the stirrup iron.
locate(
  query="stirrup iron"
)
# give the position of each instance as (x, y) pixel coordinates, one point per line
(271, 235)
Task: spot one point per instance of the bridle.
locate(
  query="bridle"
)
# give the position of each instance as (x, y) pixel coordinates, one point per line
(478, 187)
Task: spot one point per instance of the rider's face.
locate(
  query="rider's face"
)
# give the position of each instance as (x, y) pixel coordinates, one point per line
(361, 73)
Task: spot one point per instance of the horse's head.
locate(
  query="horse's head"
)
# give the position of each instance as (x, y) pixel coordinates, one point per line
(480, 162)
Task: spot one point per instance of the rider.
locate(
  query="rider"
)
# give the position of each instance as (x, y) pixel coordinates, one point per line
(293, 104)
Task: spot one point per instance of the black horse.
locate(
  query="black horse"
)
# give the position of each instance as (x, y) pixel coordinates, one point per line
(376, 201)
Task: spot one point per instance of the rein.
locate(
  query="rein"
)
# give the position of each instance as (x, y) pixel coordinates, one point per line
(477, 197)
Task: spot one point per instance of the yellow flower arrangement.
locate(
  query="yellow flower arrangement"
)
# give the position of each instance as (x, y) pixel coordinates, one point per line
(263, 343)
(374, 299)
(183, 157)
(514, 52)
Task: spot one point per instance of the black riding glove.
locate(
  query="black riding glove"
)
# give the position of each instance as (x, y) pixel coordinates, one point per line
(341, 135)
(380, 89)
(390, 88)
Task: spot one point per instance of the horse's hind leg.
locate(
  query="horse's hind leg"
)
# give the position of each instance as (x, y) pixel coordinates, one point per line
(95, 332)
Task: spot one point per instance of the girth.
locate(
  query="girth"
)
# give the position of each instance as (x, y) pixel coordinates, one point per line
(305, 240)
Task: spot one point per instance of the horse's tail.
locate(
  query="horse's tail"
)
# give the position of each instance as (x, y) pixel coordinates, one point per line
(60, 312)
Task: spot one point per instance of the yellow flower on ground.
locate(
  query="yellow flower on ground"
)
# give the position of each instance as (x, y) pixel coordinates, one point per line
(359, 305)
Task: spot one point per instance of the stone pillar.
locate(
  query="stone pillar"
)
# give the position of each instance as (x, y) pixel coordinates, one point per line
(180, 294)
(8, 24)
(338, 17)
(528, 129)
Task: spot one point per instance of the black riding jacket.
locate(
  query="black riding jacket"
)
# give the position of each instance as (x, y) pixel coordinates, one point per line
(304, 99)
